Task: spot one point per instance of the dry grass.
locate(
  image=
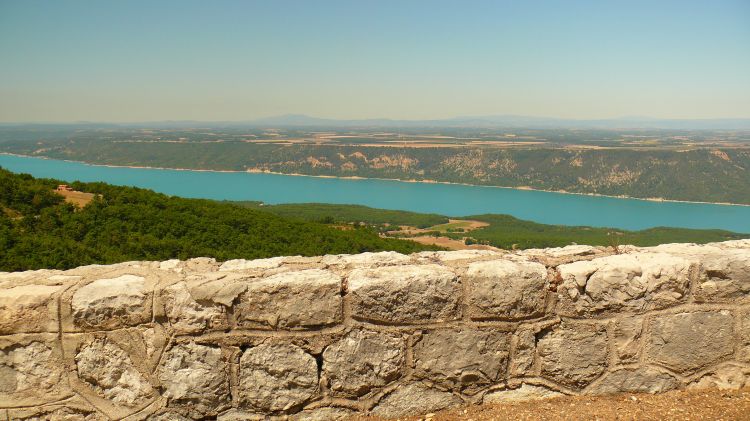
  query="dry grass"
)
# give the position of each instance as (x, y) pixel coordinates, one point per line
(77, 198)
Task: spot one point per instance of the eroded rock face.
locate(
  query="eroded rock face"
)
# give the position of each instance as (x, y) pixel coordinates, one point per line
(382, 258)
(292, 300)
(573, 355)
(724, 277)
(195, 376)
(462, 358)
(688, 341)
(525, 392)
(625, 282)
(730, 376)
(506, 289)
(626, 334)
(111, 373)
(186, 315)
(640, 380)
(276, 377)
(405, 294)
(362, 361)
(523, 357)
(28, 372)
(744, 334)
(29, 308)
(413, 399)
(111, 303)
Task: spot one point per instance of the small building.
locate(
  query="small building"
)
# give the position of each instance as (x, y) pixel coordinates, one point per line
(64, 187)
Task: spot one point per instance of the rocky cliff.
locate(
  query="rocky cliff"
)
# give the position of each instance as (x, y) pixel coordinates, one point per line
(323, 338)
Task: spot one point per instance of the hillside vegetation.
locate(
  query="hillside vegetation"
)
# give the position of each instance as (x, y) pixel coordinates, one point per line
(705, 174)
(503, 231)
(39, 230)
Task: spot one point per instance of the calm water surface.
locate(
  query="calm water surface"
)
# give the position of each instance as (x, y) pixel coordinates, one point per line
(446, 199)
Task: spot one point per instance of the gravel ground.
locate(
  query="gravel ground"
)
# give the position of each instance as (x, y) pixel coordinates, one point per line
(679, 405)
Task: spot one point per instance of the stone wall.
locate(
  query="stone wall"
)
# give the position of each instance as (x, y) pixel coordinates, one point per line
(382, 333)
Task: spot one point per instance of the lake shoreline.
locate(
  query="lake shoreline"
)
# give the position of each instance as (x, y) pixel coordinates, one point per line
(653, 200)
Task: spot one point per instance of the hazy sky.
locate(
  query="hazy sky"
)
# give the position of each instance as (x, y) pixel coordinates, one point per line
(226, 60)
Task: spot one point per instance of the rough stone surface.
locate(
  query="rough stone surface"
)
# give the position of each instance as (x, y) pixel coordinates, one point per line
(292, 300)
(414, 398)
(729, 376)
(29, 308)
(186, 315)
(744, 336)
(462, 358)
(29, 372)
(640, 380)
(276, 377)
(324, 414)
(383, 258)
(506, 289)
(525, 392)
(627, 338)
(318, 338)
(625, 282)
(112, 302)
(724, 277)
(573, 355)
(362, 361)
(111, 373)
(524, 345)
(195, 376)
(405, 294)
(688, 341)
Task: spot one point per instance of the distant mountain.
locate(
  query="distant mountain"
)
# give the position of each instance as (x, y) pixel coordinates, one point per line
(491, 121)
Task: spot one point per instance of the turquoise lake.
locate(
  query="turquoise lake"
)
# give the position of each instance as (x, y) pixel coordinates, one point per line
(446, 199)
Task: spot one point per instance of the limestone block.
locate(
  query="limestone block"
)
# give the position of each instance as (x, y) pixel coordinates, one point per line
(291, 300)
(687, 341)
(111, 373)
(186, 315)
(120, 300)
(31, 371)
(525, 392)
(414, 398)
(506, 289)
(324, 414)
(29, 308)
(626, 335)
(573, 355)
(635, 380)
(524, 344)
(362, 361)
(462, 358)
(724, 277)
(405, 294)
(275, 378)
(72, 409)
(625, 282)
(726, 377)
(195, 377)
(212, 288)
(242, 264)
(453, 256)
(368, 259)
(744, 336)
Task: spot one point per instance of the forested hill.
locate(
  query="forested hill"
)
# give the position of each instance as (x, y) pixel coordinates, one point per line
(38, 229)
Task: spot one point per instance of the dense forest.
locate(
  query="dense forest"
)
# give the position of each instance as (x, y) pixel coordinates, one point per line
(38, 229)
(689, 173)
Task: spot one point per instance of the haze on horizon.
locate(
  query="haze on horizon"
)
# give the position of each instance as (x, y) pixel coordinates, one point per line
(124, 61)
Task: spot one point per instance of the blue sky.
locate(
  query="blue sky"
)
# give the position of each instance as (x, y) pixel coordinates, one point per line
(239, 60)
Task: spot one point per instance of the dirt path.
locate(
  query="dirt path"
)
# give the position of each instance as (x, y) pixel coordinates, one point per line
(679, 405)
